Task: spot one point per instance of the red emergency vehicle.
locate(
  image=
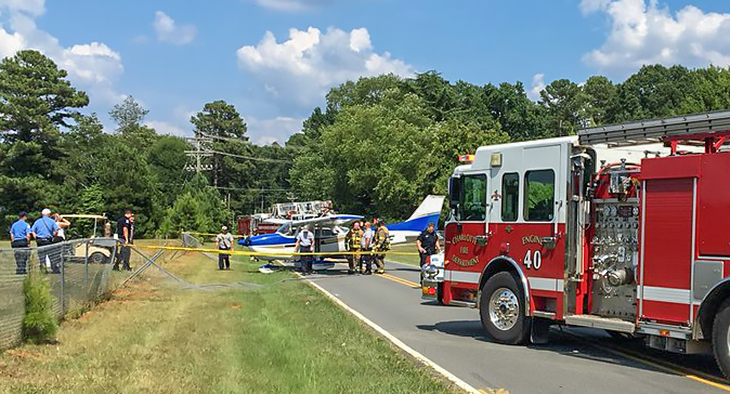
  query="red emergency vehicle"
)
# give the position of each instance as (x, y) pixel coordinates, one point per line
(623, 228)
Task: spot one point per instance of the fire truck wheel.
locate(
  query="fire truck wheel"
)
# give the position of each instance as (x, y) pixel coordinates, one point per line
(721, 338)
(501, 309)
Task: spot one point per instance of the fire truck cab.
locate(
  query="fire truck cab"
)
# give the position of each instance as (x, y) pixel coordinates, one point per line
(621, 228)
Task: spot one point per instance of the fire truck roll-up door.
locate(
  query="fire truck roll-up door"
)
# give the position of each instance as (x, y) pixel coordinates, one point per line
(669, 207)
(685, 241)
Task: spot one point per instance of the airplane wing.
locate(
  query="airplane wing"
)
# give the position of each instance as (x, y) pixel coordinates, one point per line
(339, 220)
(276, 221)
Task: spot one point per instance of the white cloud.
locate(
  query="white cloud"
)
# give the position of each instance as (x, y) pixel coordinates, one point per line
(169, 31)
(360, 40)
(33, 7)
(167, 128)
(305, 66)
(644, 33)
(290, 5)
(93, 67)
(588, 6)
(538, 85)
(266, 131)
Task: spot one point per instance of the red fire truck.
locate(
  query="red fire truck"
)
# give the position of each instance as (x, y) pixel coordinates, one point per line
(623, 228)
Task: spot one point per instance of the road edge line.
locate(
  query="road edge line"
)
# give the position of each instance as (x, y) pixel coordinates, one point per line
(397, 342)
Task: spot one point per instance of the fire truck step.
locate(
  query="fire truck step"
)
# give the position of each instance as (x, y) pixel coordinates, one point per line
(600, 322)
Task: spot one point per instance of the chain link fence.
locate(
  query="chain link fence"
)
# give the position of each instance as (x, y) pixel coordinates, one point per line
(79, 272)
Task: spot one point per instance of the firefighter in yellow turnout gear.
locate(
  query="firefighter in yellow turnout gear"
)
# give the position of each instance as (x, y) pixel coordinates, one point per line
(352, 244)
(381, 244)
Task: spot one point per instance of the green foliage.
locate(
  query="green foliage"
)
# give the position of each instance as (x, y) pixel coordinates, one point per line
(220, 119)
(387, 146)
(39, 324)
(128, 114)
(200, 208)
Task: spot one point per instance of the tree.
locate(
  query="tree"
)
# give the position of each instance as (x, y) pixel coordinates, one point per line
(35, 100)
(602, 100)
(167, 159)
(199, 208)
(519, 117)
(220, 119)
(222, 123)
(129, 114)
(566, 104)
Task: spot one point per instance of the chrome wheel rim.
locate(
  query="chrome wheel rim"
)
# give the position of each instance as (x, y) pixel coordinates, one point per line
(504, 309)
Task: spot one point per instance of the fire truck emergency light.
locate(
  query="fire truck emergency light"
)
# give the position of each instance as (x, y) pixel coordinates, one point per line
(467, 159)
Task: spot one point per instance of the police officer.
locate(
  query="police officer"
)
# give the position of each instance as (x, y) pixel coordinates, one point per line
(382, 244)
(20, 239)
(125, 233)
(352, 244)
(366, 244)
(304, 244)
(44, 229)
(428, 243)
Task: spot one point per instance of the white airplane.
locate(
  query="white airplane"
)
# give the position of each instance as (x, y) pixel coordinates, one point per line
(330, 231)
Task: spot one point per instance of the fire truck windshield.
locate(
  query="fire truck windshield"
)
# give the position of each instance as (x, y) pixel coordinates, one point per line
(473, 205)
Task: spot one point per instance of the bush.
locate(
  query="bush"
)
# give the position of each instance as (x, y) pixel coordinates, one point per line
(39, 324)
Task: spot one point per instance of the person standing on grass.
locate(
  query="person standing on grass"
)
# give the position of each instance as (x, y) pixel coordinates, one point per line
(224, 241)
(125, 231)
(20, 239)
(304, 244)
(44, 229)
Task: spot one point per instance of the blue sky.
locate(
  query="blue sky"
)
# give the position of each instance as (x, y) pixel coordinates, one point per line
(275, 59)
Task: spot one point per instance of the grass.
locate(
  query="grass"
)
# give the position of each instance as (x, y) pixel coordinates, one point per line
(283, 338)
(405, 247)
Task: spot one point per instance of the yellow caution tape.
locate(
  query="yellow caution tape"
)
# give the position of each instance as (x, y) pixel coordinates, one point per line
(210, 234)
(251, 253)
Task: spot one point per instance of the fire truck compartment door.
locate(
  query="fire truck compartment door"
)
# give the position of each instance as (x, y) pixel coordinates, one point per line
(667, 250)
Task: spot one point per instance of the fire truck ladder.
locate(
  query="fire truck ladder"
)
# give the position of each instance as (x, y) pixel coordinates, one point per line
(711, 129)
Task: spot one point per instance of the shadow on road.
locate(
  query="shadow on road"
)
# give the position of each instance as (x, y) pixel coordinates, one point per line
(563, 344)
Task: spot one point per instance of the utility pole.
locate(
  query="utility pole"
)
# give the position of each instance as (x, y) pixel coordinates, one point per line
(201, 151)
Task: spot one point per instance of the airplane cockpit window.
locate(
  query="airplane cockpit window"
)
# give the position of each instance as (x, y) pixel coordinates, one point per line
(284, 229)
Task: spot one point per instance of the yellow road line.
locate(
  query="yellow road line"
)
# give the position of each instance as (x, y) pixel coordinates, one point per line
(401, 281)
(658, 364)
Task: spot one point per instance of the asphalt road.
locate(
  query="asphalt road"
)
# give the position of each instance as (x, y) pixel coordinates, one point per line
(579, 361)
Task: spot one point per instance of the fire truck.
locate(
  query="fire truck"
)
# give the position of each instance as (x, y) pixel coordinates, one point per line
(623, 228)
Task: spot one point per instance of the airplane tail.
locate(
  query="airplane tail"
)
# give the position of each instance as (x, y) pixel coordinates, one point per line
(428, 212)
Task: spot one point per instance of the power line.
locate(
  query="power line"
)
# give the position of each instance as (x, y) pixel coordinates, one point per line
(248, 157)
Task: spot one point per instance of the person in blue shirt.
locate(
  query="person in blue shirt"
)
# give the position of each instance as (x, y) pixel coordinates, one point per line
(20, 239)
(44, 229)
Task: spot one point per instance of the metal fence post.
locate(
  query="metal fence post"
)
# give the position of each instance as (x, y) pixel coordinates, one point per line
(63, 282)
(86, 268)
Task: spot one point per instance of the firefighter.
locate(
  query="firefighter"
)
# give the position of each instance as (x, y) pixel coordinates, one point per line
(366, 244)
(354, 237)
(381, 244)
